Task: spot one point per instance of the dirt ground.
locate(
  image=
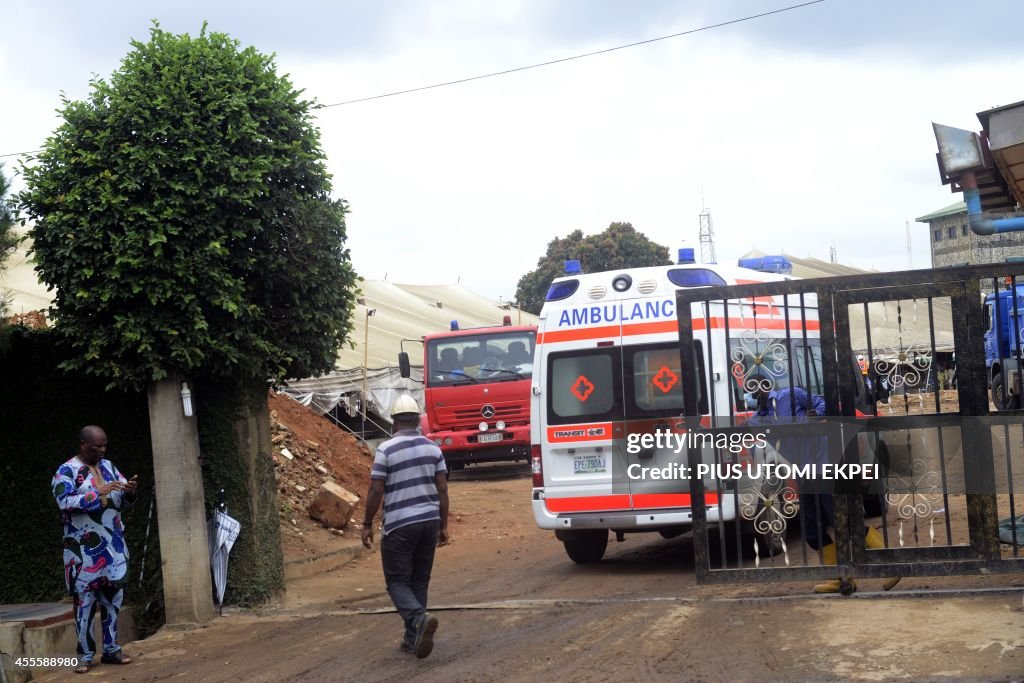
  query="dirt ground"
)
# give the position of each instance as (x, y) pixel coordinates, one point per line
(513, 607)
(321, 452)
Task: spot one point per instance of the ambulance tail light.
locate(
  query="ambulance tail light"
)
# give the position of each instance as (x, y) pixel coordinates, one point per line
(537, 466)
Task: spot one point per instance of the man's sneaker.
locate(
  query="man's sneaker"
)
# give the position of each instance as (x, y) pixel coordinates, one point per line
(407, 646)
(425, 628)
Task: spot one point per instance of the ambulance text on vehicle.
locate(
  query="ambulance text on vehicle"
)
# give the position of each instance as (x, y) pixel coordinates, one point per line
(607, 370)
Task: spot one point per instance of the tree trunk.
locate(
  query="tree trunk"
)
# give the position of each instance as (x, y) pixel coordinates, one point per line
(188, 589)
(265, 564)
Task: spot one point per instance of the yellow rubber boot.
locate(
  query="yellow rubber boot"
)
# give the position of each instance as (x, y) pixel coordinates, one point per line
(828, 554)
(873, 539)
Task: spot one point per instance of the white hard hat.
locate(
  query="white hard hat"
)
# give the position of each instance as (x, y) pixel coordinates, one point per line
(860, 357)
(405, 404)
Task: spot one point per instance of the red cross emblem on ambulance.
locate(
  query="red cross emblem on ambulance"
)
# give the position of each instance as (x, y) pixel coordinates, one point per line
(582, 388)
(665, 379)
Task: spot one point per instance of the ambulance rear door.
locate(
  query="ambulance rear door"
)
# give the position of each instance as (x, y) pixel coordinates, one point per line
(583, 420)
(653, 403)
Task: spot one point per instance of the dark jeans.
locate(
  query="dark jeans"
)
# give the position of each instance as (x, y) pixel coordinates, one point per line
(817, 514)
(407, 554)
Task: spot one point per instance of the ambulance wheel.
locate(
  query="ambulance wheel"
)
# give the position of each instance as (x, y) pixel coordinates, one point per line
(999, 397)
(585, 547)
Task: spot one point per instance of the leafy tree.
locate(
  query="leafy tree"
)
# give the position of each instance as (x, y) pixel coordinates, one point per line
(618, 247)
(183, 218)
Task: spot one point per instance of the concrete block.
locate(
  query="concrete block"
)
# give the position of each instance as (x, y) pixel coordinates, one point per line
(10, 646)
(333, 505)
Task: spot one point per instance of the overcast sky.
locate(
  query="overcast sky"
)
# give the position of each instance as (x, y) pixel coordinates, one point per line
(801, 131)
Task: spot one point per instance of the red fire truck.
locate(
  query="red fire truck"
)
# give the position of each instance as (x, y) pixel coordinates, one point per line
(476, 390)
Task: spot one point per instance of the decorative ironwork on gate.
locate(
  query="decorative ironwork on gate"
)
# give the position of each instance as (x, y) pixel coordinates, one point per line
(895, 364)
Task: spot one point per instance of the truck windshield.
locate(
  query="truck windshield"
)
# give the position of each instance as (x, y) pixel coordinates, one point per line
(478, 358)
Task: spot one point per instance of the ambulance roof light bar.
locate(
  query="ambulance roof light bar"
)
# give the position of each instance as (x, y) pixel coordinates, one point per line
(572, 267)
(686, 256)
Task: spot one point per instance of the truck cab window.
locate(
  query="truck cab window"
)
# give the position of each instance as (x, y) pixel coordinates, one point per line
(490, 357)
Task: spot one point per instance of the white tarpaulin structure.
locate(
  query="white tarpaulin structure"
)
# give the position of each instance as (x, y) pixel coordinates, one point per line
(399, 312)
(18, 278)
(893, 325)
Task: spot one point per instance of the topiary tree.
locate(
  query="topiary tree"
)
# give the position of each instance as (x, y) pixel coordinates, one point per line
(619, 246)
(184, 219)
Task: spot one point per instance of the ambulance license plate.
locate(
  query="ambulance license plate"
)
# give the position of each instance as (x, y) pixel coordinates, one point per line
(489, 438)
(588, 464)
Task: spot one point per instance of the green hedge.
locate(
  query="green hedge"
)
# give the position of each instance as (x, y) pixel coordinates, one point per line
(255, 566)
(42, 408)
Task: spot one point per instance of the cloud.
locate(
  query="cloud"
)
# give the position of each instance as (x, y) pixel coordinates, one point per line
(802, 131)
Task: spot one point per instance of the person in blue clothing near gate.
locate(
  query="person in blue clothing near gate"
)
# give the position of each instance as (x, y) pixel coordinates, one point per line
(794, 405)
(410, 477)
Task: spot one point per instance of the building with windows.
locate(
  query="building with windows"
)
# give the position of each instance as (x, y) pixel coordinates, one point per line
(953, 243)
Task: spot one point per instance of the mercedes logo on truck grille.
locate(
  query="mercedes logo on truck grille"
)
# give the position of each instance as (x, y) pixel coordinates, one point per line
(487, 411)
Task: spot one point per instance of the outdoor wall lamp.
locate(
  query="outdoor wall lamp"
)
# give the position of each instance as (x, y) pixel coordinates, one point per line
(186, 399)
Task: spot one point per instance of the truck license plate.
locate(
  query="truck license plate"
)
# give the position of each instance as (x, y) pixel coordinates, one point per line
(588, 464)
(489, 438)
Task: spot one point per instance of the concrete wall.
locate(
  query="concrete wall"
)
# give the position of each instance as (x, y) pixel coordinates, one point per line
(53, 640)
(969, 248)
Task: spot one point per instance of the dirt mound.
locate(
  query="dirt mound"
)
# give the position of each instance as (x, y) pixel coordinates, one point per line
(320, 451)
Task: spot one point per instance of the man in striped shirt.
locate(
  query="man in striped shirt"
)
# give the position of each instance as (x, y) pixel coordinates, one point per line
(410, 477)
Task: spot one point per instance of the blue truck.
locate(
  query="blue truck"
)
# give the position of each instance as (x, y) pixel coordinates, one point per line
(1003, 353)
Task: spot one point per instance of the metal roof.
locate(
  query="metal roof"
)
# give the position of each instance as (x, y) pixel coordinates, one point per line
(951, 210)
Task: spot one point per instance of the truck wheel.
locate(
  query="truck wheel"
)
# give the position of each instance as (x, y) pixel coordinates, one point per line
(585, 547)
(1000, 398)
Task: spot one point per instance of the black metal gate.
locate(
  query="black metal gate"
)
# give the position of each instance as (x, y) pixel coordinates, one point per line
(899, 361)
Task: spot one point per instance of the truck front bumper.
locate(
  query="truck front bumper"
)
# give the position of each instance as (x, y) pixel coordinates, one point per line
(466, 446)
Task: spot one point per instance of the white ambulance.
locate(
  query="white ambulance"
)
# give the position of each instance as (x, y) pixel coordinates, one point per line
(607, 371)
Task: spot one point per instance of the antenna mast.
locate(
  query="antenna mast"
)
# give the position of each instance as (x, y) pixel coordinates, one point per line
(707, 234)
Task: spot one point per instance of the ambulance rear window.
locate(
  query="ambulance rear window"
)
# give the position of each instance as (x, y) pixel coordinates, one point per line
(695, 277)
(584, 386)
(656, 376)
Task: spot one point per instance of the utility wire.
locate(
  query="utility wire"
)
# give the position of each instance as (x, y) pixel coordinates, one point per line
(574, 57)
(540, 64)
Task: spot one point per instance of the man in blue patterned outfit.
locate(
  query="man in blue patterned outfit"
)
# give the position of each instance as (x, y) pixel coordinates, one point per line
(410, 477)
(91, 493)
